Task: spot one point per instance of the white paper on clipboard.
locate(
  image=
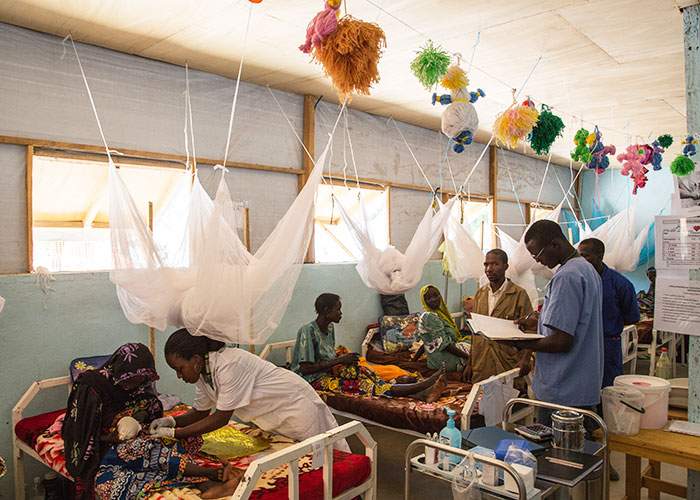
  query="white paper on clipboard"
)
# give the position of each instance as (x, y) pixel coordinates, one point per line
(499, 329)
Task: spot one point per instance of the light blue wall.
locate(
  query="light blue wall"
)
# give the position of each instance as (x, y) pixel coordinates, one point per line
(40, 334)
(611, 192)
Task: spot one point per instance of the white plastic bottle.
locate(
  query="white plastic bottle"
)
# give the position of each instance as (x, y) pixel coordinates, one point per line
(663, 365)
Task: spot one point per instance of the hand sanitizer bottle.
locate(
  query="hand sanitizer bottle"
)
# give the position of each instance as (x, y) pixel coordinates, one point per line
(450, 436)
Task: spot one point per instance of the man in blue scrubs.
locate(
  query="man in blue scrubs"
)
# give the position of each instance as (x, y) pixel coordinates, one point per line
(620, 307)
(569, 364)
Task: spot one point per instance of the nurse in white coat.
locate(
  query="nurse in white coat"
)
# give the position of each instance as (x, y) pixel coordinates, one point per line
(233, 382)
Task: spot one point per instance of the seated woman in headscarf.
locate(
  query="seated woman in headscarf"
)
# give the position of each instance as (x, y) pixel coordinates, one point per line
(315, 359)
(106, 453)
(432, 301)
(441, 348)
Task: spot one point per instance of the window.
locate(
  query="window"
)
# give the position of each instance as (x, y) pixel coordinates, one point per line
(478, 218)
(332, 240)
(70, 209)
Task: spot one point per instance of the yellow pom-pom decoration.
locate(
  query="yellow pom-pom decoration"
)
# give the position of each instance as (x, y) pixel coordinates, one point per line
(514, 124)
(590, 140)
(455, 79)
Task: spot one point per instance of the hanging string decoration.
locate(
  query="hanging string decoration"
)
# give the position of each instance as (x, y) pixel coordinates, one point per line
(599, 153)
(348, 49)
(658, 148)
(581, 150)
(632, 165)
(549, 126)
(683, 165)
(321, 26)
(515, 123)
(430, 64)
(459, 120)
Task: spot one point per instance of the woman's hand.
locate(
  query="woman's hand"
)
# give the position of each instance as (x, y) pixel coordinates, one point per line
(163, 422)
(348, 359)
(163, 432)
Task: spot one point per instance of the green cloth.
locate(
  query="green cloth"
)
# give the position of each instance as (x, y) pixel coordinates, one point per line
(313, 346)
(436, 337)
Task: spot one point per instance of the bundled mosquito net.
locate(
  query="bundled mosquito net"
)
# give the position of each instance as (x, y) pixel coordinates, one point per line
(386, 269)
(623, 247)
(196, 272)
(462, 253)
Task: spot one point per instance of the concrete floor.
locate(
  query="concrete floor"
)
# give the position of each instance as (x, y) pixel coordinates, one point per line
(392, 446)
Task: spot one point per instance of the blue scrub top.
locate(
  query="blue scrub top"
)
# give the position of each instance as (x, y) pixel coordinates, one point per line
(573, 303)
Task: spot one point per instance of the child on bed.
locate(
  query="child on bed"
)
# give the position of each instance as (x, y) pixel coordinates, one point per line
(106, 460)
(316, 361)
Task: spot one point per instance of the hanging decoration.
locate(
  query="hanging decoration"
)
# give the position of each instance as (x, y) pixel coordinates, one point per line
(348, 49)
(430, 64)
(683, 165)
(515, 123)
(581, 152)
(658, 148)
(599, 153)
(549, 126)
(632, 165)
(459, 120)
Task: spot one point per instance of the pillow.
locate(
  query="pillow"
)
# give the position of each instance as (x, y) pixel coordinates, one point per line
(398, 333)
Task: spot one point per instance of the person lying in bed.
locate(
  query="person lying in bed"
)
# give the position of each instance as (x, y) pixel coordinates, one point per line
(316, 361)
(106, 455)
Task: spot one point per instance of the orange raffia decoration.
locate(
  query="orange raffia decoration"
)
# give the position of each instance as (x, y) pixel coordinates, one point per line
(350, 55)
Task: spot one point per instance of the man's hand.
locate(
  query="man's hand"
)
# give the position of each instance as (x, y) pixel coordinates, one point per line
(528, 323)
(525, 364)
(467, 372)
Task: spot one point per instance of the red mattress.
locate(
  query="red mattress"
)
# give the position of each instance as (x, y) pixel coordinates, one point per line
(349, 470)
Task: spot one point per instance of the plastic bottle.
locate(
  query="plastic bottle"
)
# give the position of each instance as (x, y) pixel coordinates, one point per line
(451, 436)
(429, 456)
(663, 365)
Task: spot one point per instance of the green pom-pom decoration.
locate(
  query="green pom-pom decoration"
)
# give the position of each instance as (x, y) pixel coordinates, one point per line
(549, 126)
(665, 140)
(682, 165)
(581, 152)
(430, 64)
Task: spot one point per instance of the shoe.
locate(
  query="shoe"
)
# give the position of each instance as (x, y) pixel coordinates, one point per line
(614, 476)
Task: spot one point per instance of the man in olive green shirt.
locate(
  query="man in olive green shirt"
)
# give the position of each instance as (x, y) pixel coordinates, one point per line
(500, 298)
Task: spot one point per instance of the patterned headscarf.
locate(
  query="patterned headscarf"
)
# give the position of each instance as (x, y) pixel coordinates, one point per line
(129, 361)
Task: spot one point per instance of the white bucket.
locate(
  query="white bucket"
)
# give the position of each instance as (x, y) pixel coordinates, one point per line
(619, 412)
(656, 391)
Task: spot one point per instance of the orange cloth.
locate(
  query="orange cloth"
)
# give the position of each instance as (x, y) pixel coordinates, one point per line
(385, 372)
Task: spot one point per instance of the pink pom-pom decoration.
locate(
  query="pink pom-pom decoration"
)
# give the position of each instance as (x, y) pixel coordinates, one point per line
(321, 26)
(632, 165)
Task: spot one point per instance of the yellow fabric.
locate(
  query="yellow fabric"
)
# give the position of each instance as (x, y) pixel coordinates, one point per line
(442, 311)
(227, 443)
(385, 372)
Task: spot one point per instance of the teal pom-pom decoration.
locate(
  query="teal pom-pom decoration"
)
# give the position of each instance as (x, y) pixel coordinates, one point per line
(549, 126)
(430, 64)
(665, 140)
(682, 165)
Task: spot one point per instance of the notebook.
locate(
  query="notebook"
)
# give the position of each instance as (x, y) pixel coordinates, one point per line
(563, 474)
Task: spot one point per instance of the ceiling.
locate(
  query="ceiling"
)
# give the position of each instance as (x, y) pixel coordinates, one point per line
(615, 63)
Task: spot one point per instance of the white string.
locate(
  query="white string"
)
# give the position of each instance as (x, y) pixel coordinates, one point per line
(189, 108)
(238, 83)
(449, 166)
(89, 92)
(412, 155)
(515, 192)
(352, 151)
(544, 177)
(514, 224)
(515, 99)
(476, 44)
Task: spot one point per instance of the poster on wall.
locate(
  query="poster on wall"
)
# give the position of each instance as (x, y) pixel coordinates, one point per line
(677, 243)
(686, 196)
(676, 308)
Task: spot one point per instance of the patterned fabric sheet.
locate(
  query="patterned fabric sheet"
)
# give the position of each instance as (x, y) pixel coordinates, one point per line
(49, 447)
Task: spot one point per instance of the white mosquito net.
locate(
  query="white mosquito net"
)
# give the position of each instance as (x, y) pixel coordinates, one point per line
(463, 255)
(387, 270)
(195, 271)
(524, 279)
(622, 246)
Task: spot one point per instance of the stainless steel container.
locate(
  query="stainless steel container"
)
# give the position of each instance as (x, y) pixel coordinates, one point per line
(567, 430)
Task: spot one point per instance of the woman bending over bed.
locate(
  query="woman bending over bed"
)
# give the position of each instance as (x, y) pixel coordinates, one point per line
(316, 361)
(106, 453)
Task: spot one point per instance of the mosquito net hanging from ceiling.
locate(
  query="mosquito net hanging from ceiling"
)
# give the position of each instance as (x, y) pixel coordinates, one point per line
(387, 270)
(525, 279)
(201, 276)
(622, 246)
(463, 255)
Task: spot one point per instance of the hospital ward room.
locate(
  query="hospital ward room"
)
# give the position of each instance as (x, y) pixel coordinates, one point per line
(349, 249)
